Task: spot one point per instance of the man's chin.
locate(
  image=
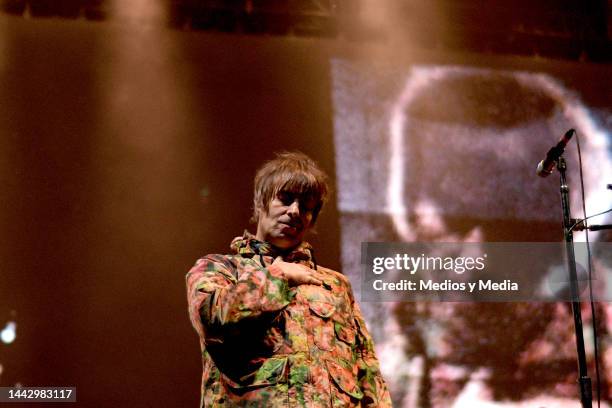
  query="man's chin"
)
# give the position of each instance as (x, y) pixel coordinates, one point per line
(285, 241)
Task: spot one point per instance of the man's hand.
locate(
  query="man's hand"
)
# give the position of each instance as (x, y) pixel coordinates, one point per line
(298, 274)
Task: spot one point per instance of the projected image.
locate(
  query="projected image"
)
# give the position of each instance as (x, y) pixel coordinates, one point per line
(448, 154)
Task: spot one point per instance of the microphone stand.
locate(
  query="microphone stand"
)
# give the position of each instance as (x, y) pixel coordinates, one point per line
(584, 382)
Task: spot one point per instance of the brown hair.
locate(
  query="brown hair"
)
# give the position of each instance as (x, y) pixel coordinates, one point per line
(293, 172)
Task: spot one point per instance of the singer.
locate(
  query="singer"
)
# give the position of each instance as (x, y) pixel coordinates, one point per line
(275, 328)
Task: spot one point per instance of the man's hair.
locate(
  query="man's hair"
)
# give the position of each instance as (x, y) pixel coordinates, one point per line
(293, 172)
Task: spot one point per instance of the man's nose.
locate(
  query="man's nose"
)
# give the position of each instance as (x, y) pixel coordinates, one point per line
(294, 209)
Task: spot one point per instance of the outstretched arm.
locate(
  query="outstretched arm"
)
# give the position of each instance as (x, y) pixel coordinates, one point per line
(222, 294)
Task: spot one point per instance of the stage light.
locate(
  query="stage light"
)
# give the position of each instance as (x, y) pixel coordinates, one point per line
(9, 333)
(140, 11)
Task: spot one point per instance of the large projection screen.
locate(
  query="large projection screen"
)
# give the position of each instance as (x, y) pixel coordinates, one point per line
(443, 152)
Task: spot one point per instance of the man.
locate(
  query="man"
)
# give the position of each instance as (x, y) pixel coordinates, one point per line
(276, 329)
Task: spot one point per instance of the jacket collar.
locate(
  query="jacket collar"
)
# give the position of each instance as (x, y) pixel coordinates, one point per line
(248, 246)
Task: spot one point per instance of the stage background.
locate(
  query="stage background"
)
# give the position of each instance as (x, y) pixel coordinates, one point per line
(127, 151)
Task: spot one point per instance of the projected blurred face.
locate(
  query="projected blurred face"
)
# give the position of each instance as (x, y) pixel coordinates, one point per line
(465, 145)
(288, 218)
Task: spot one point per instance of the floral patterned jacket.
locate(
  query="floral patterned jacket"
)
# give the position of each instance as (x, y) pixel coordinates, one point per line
(265, 344)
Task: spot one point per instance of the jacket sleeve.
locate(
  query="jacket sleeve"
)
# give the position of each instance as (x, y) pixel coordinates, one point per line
(222, 294)
(371, 381)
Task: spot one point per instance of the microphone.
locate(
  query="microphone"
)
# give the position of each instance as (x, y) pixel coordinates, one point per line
(545, 167)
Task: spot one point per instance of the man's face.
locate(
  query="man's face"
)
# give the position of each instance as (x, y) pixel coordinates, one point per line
(288, 218)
